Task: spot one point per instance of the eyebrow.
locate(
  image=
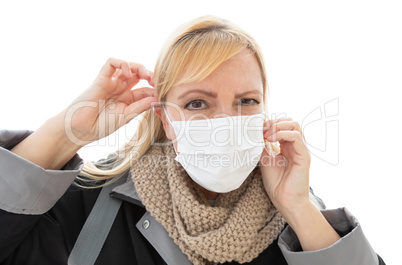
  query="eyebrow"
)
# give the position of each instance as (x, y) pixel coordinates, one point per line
(209, 94)
(214, 94)
(255, 91)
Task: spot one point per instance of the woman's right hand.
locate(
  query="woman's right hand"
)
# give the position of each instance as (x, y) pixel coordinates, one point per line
(99, 111)
(109, 102)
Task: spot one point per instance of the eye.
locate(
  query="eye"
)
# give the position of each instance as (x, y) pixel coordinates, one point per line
(249, 101)
(195, 105)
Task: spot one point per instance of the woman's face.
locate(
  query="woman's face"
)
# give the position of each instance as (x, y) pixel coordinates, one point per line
(234, 88)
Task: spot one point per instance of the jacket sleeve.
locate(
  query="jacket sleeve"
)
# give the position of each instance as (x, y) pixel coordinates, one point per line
(26, 188)
(352, 248)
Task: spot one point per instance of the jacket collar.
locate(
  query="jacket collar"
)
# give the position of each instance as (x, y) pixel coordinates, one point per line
(155, 233)
(127, 191)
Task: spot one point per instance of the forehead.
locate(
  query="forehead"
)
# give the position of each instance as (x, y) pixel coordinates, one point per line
(237, 74)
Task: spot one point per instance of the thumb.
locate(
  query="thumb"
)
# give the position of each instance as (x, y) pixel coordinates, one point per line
(138, 107)
(270, 162)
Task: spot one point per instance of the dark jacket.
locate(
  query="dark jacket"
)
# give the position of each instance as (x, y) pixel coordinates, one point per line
(40, 222)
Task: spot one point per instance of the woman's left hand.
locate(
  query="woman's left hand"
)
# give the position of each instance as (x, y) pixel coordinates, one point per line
(286, 175)
(286, 180)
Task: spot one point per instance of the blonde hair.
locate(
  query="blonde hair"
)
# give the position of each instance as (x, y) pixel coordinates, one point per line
(192, 52)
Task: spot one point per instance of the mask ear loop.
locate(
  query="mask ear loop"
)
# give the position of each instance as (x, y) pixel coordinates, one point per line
(171, 124)
(265, 143)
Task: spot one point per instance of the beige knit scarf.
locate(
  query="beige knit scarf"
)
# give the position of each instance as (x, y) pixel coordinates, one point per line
(242, 224)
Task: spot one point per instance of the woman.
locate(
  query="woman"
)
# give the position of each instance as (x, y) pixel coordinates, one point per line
(201, 181)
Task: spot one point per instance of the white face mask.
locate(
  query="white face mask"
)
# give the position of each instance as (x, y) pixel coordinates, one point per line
(220, 153)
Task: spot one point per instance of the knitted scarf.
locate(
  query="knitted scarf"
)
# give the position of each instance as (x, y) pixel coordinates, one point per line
(242, 224)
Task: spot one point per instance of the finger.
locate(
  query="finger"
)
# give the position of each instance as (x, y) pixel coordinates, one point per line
(126, 70)
(130, 81)
(288, 136)
(151, 82)
(117, 73)
(143, 92)
(293, 137)
(142, 72)
(111, 65)
(268, 124)
(284, 126)
(136, 108)
(124, 75)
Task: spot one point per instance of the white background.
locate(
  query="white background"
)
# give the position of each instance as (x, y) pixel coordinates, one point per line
(347, 53)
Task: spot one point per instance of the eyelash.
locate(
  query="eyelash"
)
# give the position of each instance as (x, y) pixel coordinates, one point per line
(200, 100)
